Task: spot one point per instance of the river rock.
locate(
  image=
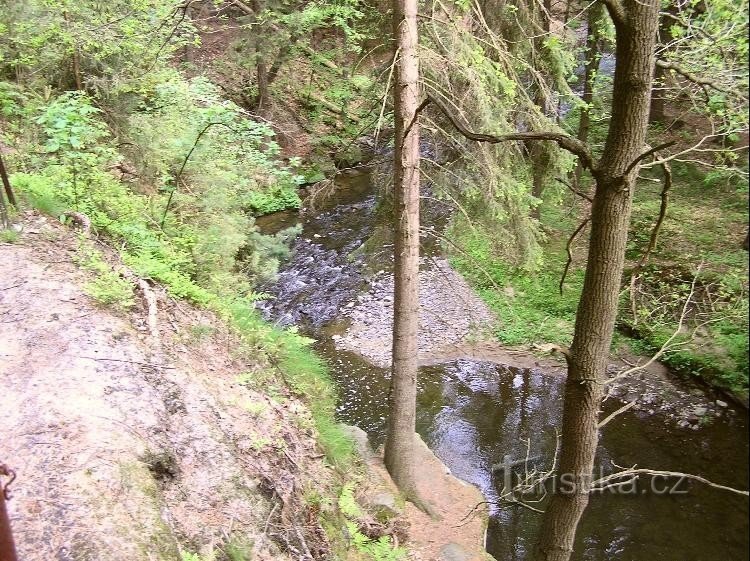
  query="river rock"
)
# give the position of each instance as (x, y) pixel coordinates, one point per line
(383, 506)
(721, 403)
(454, 552)
(700, 410)
(361, 441)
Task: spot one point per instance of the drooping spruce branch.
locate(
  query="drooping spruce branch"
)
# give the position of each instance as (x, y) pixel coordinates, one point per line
(565, 141)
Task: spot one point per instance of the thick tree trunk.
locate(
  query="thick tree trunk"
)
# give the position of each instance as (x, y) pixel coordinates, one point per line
(636, 23)
(399, 445)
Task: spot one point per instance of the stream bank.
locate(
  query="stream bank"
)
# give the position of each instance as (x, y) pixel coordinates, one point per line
(479, 403)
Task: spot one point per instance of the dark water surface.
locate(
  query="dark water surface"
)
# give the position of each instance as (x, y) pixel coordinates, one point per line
(474, 414)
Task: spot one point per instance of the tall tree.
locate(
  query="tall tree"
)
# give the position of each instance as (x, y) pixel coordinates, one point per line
(399, 445)
(591, 67)
(614, 173)
(636, 23)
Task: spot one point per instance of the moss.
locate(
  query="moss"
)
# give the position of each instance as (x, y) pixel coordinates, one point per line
(153, 535)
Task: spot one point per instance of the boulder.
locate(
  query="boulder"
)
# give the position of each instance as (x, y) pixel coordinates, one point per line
(454, 552)
(361, 441)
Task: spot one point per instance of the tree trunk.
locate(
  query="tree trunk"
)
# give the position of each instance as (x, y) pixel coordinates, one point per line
(658, 97)
(399, 444)
(591, 68)
(262, 77)
(636, 23)
(536, 150)
(6, 183)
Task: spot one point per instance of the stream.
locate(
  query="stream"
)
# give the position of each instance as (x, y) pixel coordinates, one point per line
(475, 414)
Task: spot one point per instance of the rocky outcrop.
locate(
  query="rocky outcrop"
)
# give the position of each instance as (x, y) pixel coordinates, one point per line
(456, 534)
(120, 455)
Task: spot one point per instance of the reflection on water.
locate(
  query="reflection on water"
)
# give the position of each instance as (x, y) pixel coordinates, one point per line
(472, 414)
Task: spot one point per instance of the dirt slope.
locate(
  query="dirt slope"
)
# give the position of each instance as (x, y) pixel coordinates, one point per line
(119, 457)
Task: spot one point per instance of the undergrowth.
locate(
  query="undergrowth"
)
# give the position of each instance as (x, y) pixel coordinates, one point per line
(208, 251)
(705, 225)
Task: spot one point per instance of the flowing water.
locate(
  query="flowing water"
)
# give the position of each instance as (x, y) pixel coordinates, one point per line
(475, 415)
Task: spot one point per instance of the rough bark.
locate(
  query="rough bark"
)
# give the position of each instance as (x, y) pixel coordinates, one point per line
(636, 23)
(399, 445)
(658, 97)
(589, 77)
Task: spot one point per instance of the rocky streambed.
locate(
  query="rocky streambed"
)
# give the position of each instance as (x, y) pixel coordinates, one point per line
(479, 403)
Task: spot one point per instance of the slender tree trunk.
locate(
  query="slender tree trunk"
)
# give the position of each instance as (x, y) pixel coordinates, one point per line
(658, 97)
(399, 445)
(591, 68)
(6, 183)
(536, 150)
(262, 76)
(636, 23)
(76, 62)
(537, 178)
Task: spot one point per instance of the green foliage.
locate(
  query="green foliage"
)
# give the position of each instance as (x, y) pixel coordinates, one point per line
(117, 46)
(347, 503)
(493, 183)
(107, 288)
(279, 198)
(380, 549)
(338, 14)
(528, 306)
(12, 100)
(210, 252)
(715, 344)
(9, 236)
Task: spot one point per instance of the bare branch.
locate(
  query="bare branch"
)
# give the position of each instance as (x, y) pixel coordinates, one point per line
(572, 237)
(633, 472)
(575, 191)
(662, 214)
(669, 342)
(614, 414)
(648, 153)
(565, 141)
(692, 77)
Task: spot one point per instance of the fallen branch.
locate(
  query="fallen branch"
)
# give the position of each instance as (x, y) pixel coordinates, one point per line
(149, 364)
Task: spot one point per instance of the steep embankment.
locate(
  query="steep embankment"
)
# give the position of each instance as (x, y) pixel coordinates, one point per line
(154, 434)
(125, 452)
